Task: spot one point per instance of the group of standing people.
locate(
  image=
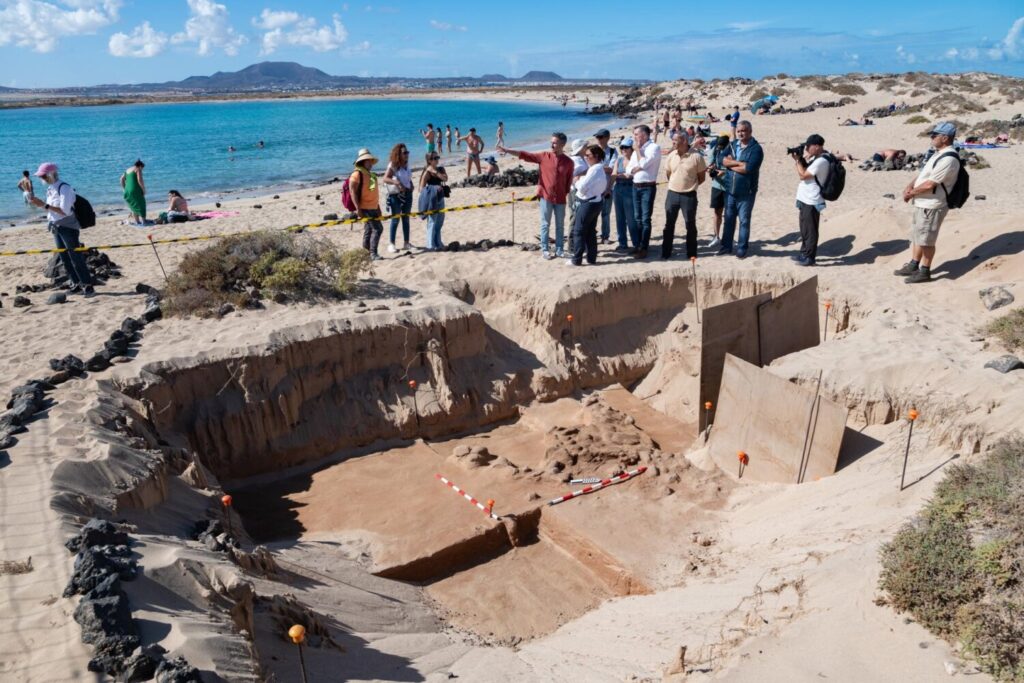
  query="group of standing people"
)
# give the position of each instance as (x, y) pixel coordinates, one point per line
(436, 139)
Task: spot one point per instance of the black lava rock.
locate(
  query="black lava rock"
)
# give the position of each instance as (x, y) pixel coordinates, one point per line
(152, 312)
(57, 298)
(69, 363)
(143, 288)
(1005, 364)
(97, 532)
(97, 363)
(177, 670)
(225, 309)
(452, 246)
(331, 217)
(96, 564)
(131, 325)
(22, 301)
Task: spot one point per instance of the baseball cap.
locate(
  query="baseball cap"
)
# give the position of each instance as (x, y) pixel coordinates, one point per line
(627, 142)
(46, 169)
(815, 139)
(603, 133)
(944, 128)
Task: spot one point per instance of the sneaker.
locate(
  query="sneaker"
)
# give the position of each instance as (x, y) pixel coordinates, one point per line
(714, 241)
(570, 262)
(805, 261)
(559, 254)
(797, 257)
(546, 255)
(406, 247)
(633, 251)
(621, 250)
(74, 289)
(640, 254)
(723, 250)
(741, 254)
(88, 291)
(391, 248)
(918, 276)
(375, 257)
(905, 270)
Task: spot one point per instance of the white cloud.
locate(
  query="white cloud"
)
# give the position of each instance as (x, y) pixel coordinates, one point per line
(289, 28)
(1012, 46)
(40, 25)
(445, 26)
(904, 56)
(144, 41)
(746, 25)
(209, 28)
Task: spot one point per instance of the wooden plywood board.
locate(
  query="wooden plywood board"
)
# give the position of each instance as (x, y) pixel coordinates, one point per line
(789, 322)
(789, 434)
(727, 328)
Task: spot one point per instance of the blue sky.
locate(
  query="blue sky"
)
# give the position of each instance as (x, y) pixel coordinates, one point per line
(45, 43)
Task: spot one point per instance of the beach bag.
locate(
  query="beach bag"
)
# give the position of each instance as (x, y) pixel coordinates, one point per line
(346, 196)
(83, 210)
(958, 196)
(835, 181)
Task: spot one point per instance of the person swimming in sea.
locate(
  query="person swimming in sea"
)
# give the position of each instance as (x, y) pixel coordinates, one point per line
(260, 145)
(231, 148)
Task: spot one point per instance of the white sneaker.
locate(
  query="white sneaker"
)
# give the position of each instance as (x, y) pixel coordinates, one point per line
(391, 248)
(714, 242)
(569, 262)
(546, 255)
(559, 254)
(406, 247)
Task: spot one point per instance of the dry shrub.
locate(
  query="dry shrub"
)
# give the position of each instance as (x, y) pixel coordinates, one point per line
(917, 119)
(1009, 329)
(887, 84)
(291, 267)
(958, 567)
(8, 567)
(848, 89)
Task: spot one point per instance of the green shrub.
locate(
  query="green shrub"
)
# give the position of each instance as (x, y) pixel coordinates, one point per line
(959, 566)
(916, 119)
(1009, 329)
(298, 268)
(848, 89)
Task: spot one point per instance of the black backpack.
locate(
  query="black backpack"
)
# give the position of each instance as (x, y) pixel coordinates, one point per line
(835, 181)
(961, 191)
(82, 209)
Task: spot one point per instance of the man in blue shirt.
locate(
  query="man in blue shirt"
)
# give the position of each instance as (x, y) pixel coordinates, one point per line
(743, 168)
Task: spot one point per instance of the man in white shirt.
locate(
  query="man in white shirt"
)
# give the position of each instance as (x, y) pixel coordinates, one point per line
(812, 168)
(643, 169)
(64, 226)
(928, 192)
(589, 194)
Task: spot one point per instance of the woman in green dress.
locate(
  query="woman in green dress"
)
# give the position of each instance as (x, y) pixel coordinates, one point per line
(135, 191)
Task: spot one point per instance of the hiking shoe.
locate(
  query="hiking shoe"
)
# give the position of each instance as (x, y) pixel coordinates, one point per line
(74, 289)
(88, 291)
(391, 248)
(621, 250)
(805, 261)
(714, 241)
(723, 250)
(640, 254)
(906, 269)
(918, 276)
(797, 257)
(406, 247)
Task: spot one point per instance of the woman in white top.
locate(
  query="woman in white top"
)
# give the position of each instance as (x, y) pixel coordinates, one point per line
(589, 194)
(398, 179)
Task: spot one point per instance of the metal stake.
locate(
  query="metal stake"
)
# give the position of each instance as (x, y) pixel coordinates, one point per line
(696, 292)
(157, 257)
(912, 416)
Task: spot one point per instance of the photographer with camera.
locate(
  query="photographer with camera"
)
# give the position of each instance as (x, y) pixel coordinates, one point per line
(717, 173)
(812, 167)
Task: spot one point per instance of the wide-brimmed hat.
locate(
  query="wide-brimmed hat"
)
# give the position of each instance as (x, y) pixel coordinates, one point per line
(577, 146)
(365, 154)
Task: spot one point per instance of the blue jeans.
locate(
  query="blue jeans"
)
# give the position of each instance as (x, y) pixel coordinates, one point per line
(434, 223)
(622, 194)
(546, 209)
(73, 261)
(643, 209)
(742, 208)
(606, 217)
(400, 203)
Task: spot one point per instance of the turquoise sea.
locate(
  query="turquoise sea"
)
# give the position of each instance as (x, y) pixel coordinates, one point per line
(185, 146)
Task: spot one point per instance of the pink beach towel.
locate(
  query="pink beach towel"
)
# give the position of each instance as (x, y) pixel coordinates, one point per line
(216, 214)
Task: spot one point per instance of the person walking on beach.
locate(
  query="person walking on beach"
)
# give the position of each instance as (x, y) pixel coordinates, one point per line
(622, 195)
(134, 187)
(812, 169)
(589, 196)
(734, 120)
(448, 136)
(428, 136)
(686, 170)
(743, 169)
(610, 158)
(432, 181)
(25, 185)
(643, 169)
(500, 134)
(64, 226)
(474, 146)
(398, 179)
(553, 183)
(929, 193)
(365, 191)
(717, 172)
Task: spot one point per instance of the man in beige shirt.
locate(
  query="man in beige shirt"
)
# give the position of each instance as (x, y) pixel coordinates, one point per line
(686, 170)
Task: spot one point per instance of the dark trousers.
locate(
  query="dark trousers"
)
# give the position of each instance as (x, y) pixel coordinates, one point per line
(584, 232)
(643, 209)
(809, 219)
(73, 261)
(400, 204)
(372, 230)
(676, 202)
(606, 217)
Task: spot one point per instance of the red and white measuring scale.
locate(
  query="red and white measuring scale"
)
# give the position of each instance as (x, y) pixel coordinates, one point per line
(486, 509)
(604, 483)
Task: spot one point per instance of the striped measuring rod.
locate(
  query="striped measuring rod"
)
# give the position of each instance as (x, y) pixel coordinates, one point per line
(486, 510)
(604, 483)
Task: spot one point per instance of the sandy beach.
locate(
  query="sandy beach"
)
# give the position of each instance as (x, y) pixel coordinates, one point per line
(293, 410)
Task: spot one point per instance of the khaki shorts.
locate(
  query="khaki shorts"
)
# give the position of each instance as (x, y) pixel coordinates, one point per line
(924, 229)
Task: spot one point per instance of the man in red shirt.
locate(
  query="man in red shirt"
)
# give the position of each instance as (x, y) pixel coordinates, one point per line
(552, 188)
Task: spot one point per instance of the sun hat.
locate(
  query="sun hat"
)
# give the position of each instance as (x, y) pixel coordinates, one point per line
(577, 146)
(626, 142)
(815, 139)
(944, 128)
(603, 133)
(365, 154)
(46, 168)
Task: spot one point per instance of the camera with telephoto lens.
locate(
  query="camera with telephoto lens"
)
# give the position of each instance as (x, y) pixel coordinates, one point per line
(713, 172)
(798, 150)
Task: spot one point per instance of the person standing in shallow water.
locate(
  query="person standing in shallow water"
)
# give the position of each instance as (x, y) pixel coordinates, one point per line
(25, 185)
(134, 187)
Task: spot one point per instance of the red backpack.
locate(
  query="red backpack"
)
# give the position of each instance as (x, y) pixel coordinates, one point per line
(346, 196)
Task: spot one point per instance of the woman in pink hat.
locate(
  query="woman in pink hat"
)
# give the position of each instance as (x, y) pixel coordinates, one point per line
(64, 226)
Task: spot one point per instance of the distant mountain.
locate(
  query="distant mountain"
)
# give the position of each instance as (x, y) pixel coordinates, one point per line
(540, 76)
(262, 75)
(491, 78)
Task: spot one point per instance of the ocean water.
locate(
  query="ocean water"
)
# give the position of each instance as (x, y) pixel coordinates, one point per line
(185, 146)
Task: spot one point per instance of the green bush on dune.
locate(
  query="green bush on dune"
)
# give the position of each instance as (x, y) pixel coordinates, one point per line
(283, 264)
(1009, 329)
(958, 567)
